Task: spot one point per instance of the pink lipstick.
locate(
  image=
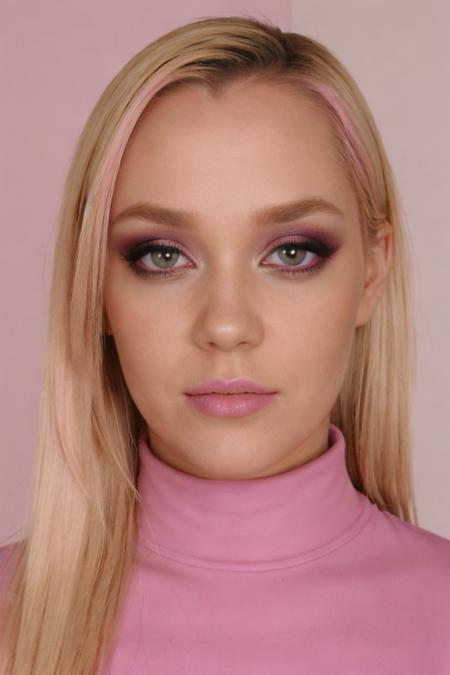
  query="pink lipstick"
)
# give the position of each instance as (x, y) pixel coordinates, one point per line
(230, 398)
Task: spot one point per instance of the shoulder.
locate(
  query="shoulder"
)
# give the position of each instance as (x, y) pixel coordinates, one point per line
(409, 542)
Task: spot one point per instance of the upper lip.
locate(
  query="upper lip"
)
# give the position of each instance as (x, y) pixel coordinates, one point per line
(237, 386)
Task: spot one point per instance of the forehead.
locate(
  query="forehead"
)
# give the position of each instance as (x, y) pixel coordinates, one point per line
(254, 143)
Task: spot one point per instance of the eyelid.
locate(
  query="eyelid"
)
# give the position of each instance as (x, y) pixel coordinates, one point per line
(320, 249)
(139, 243)
(157, 241)
(295, 238)
(310, 229)
(137, 251)
(302, 232)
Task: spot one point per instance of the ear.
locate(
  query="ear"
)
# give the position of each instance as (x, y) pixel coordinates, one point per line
(377, 267)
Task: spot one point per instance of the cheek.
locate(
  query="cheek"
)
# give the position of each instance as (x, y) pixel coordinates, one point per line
(149, 339)
(145, 356)
(140, 333)
(317, 335)
(138, 318)
(334, 323)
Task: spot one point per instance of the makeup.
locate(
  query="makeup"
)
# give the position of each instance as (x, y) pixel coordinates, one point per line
(230, 405)
(322, 246)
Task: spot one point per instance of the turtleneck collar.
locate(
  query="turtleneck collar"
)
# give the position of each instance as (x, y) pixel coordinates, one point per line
(250, 524)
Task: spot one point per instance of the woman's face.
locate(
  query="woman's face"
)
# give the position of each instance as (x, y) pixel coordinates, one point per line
(227, 306)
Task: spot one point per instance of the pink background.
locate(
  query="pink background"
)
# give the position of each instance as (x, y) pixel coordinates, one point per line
(57, 58)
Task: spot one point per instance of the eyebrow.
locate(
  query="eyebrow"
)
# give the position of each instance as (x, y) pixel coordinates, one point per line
(269, 215)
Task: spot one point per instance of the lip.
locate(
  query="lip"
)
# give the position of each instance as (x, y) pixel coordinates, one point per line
(230, 405)
(236, 386)
(230, 398)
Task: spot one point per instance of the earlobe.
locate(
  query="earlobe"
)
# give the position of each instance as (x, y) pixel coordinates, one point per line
(378, 265)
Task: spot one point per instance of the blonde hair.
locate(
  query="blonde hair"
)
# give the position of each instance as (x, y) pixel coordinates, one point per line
(72, 567)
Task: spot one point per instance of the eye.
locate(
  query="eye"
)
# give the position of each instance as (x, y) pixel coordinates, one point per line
(160, 257)
(160, 254)
(295, 252)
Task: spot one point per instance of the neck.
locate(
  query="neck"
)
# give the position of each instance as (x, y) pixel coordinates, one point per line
(260, 523)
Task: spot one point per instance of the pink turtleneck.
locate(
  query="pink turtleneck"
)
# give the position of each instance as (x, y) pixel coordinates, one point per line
(287, 574)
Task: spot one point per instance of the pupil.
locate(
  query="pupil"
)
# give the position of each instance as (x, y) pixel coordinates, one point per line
(291, 252)
(164, 256)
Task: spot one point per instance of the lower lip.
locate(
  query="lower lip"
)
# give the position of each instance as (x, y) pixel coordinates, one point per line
(230, 405)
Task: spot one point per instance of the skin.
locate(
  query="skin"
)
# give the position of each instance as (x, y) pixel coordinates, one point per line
(223, 314)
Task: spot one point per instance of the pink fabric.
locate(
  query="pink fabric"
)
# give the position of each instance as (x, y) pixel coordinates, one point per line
(282, 575)
(287, 574)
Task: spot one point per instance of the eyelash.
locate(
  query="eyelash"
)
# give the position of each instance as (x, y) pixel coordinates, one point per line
(135, 253)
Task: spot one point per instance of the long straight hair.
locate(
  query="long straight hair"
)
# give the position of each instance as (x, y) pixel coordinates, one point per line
(72, 567)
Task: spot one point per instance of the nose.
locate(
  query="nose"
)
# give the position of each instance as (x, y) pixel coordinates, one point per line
(228, 316)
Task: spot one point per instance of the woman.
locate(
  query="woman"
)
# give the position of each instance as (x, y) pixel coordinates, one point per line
(223, 479)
